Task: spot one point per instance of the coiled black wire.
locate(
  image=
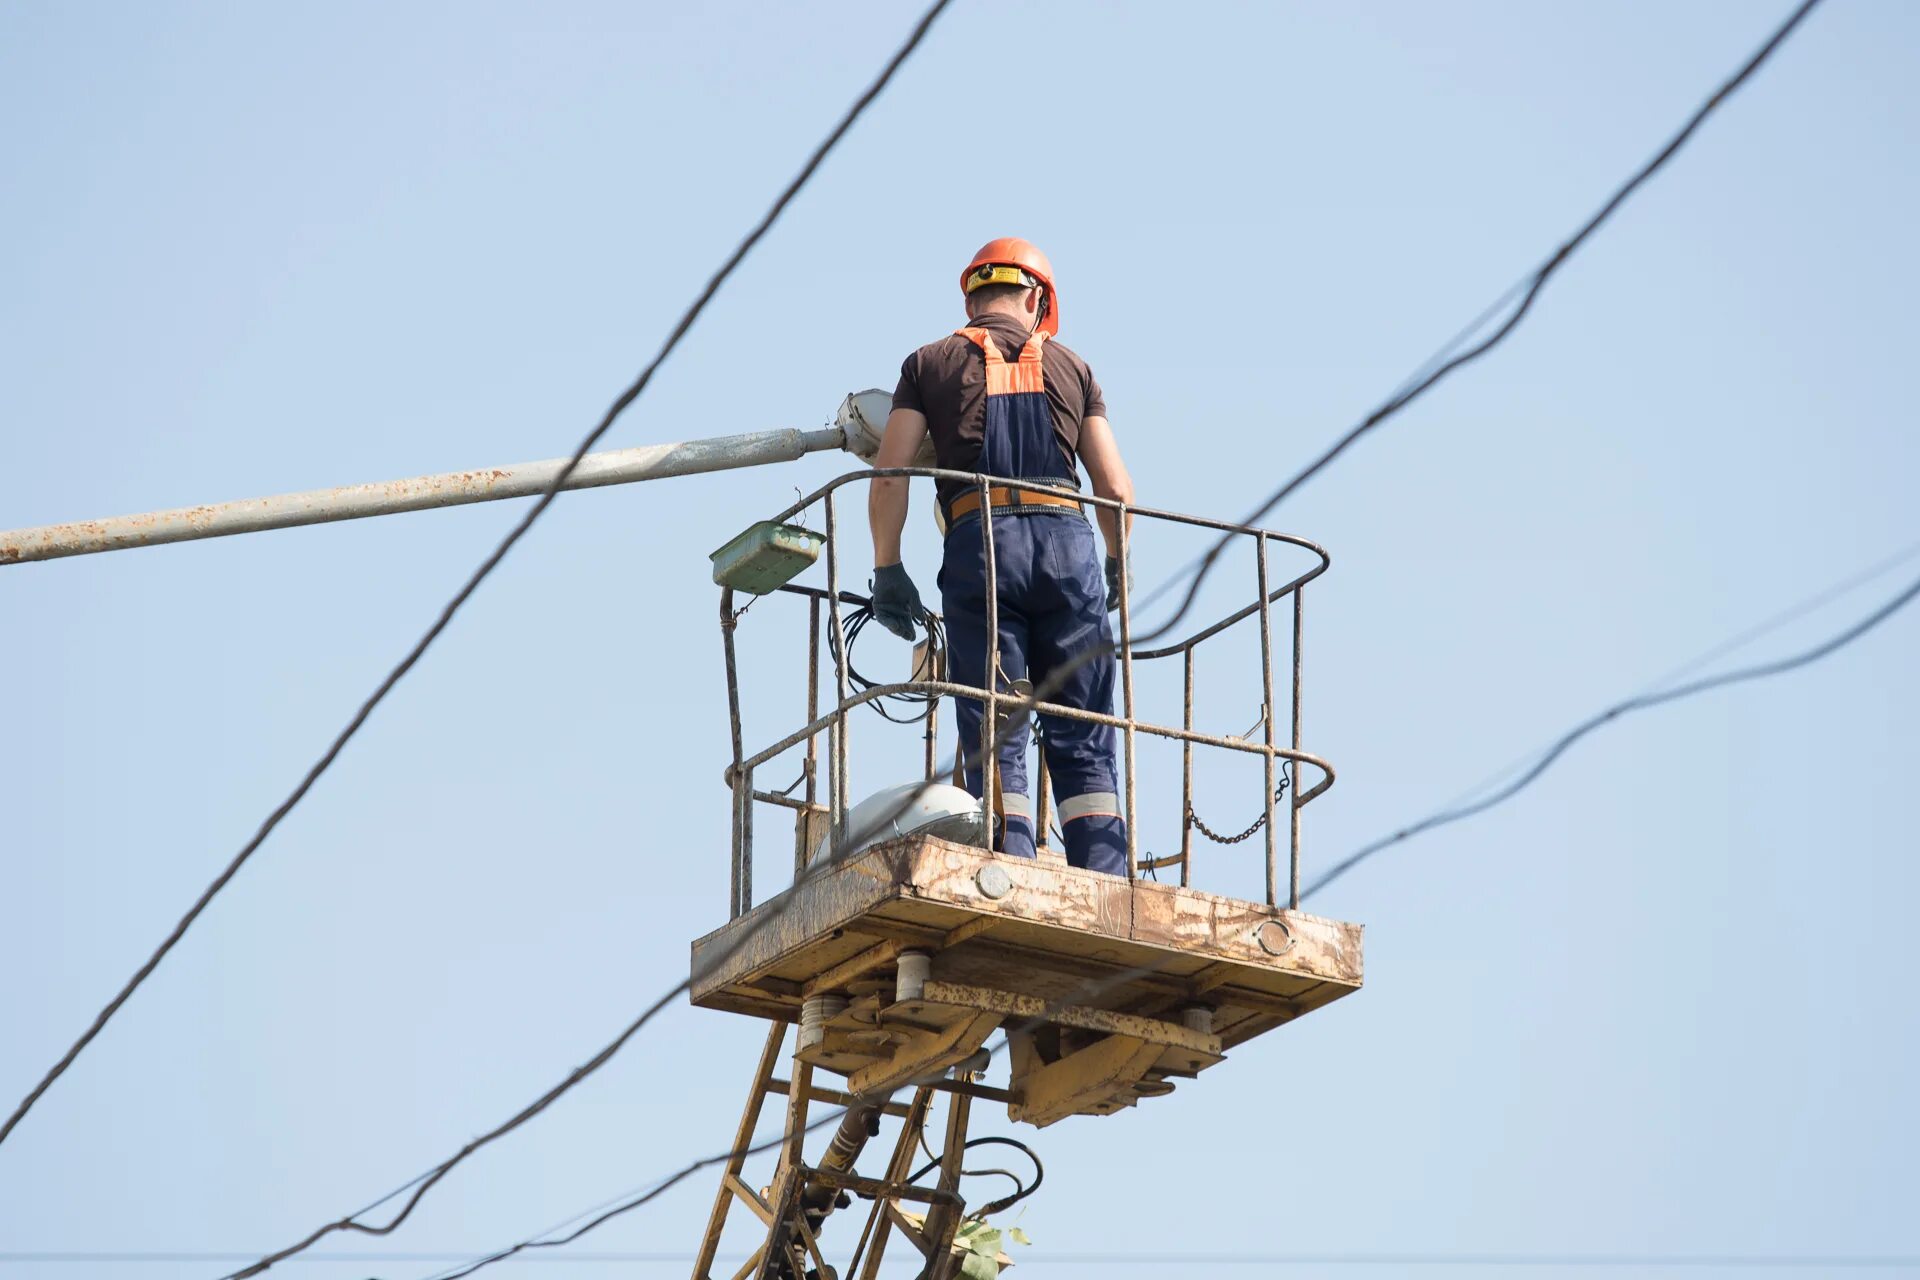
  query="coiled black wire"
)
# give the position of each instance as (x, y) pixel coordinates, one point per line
(856, 622)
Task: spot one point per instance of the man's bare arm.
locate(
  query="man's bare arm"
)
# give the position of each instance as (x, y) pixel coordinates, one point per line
(887, 496)
(1100, 454)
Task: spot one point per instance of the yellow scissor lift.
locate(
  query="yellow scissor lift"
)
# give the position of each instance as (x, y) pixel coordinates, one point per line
(894, 957)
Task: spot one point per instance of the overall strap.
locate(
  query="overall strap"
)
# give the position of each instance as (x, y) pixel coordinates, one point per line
(1003, 379)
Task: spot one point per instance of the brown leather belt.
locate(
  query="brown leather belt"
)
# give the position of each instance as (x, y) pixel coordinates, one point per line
(969, 502)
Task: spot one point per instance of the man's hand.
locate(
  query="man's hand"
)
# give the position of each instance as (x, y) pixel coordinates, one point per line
(896, 602)
(1113, 582)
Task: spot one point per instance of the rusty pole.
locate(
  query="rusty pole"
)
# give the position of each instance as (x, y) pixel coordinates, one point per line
(419, 493)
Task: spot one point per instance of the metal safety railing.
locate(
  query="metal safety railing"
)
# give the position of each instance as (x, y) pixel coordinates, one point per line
(818, 819)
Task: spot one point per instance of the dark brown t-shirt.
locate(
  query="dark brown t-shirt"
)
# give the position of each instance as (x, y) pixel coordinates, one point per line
(947, 382)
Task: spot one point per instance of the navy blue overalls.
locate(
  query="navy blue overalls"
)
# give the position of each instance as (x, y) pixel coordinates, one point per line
(1052, 607)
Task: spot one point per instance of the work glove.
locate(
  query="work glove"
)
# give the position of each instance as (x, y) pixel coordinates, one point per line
(1113, 582)
(896, 603)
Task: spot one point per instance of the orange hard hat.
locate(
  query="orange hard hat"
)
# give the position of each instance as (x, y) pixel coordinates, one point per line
(1011, 260)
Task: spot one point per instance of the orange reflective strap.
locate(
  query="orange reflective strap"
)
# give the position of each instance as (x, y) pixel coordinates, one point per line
(1014, 379)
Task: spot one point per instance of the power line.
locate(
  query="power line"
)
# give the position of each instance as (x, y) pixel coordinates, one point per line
(1419, 384)
(1641, 702)
(1792, 613)
(625, 1205)
(428, 1180)
(1400, 399)
(487, 566)
(609, 1210)
(425, 1181)
(1732, 644)
(1088, 989)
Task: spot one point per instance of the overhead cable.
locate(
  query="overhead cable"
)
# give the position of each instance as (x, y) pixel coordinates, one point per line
(428, 1180)
(1088, 989)
(1420, 384)
(1732, 644)
(425, 1181)
(1402, 397)
(488, 565)
(1641, 702)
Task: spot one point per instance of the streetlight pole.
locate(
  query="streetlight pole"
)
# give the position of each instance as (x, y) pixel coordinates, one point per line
(853, 431)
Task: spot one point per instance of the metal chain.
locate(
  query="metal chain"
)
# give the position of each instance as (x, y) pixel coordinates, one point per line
(1248, 834)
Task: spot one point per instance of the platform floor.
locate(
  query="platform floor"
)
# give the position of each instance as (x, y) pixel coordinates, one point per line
(1098, 979)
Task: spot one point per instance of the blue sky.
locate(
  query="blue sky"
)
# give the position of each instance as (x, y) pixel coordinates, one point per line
(1661, 1003)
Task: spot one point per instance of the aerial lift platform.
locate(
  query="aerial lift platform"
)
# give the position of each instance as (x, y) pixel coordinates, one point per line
(914, 951)
(905, 942)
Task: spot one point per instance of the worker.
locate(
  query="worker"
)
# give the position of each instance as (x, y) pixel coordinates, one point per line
(1000, 397)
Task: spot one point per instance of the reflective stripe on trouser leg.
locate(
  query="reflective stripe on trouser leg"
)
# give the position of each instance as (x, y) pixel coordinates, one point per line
(1016, 825)
(1090, 804)
(1095, 831)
